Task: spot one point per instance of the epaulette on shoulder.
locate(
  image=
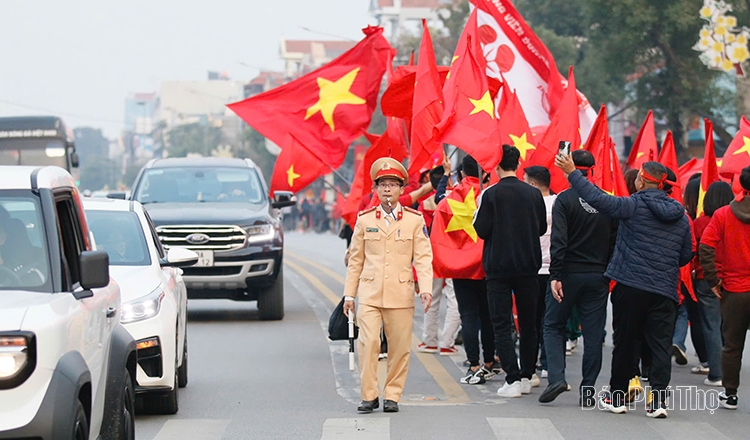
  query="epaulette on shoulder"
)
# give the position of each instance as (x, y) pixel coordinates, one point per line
(361, 213)
(412, 210)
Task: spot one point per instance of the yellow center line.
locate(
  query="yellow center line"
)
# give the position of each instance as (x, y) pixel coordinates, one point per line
(318, 266)
(442, 377)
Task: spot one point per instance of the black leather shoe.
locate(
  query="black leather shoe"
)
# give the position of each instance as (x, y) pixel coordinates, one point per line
(553, 390)
(368, 406)
(390, 406)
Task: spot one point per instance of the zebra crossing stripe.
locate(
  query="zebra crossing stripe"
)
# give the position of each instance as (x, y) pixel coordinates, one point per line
(683, 430)
(366, 428)
(194, 429)
(523, 428)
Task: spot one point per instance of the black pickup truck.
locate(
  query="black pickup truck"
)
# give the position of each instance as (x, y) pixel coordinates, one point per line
(220, 208)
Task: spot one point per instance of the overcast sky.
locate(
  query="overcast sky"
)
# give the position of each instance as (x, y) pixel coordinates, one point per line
(80, 59)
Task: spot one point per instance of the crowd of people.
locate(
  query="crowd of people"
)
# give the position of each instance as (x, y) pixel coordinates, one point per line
(550, 266)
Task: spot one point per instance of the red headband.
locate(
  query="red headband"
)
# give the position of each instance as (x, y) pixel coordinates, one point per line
(741, 196)
(648, 177)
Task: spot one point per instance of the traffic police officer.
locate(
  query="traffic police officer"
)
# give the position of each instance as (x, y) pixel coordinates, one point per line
(387, 240)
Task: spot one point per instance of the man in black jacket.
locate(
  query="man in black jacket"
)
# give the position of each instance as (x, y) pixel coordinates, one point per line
(510, 218)
(582, 242)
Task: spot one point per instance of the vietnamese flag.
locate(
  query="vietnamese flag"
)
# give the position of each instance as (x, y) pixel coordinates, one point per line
(621, 188)
(296, 167)
(427, 108)
(644, 148)
(668, 158)
(469, 119)
(598, 145)
(599, 133)
(564, 126)
(514, 130)
(456, 247)
(737, 156)
(328, 108)
(710, 168)
(687, 170)
(398, 98)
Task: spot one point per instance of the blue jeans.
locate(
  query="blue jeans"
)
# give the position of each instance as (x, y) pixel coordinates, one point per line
(710, 311)
(681, 327)
(587, 291)
(688, 311)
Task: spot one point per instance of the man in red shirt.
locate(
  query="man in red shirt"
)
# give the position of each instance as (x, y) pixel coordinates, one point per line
(726, 244)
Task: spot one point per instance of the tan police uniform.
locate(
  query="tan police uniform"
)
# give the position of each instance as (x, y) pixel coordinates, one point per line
(380, 276)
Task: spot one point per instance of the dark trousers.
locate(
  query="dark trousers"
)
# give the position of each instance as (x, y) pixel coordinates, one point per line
(645, 315)
(471, 296)
(689, 311)
(540, 310)
(735, 312)
(500, 293)
(587, 291)
(710, 317)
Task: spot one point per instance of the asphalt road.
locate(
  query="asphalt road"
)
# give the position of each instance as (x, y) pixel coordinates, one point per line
(250, 379)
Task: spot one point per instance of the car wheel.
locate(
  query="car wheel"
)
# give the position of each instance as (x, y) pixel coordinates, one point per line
(81, 423)
(271, 299)
(182, 372)
(162, 404)
(124, 425)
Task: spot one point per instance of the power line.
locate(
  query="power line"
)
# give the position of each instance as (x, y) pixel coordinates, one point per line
(326, 34)
(54, 112)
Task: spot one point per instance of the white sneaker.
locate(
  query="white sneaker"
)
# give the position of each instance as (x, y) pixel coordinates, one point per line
(535, 382)
(712, 383)
(569, 346)
(525, 386)
(544, 374)
(510, 389)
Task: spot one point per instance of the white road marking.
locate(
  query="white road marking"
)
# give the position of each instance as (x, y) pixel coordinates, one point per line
(523, 428)
(368, 428)
(685, 430)
(194, 429)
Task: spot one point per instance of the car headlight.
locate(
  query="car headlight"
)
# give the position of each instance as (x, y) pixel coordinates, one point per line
(17, 358)
(142, 308)
(260, 233)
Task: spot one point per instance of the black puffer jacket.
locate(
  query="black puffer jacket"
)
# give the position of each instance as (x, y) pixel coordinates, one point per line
(653, 239)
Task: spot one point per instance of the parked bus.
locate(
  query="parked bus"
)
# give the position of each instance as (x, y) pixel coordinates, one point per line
(37, 140)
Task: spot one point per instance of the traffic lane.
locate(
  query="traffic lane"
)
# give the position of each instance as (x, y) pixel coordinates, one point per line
(257, 375)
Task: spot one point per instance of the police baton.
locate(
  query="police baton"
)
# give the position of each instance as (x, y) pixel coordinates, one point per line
(351, 340)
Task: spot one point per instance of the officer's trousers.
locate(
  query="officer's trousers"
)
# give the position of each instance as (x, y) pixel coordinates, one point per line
(398, 327)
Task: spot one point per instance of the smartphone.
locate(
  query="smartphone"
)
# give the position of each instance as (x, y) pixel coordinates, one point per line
(564, 148)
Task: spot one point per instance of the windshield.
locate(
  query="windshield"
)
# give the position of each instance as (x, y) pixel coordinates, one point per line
(23, 252)
(121, 235)
(33, 152)
(210, 184)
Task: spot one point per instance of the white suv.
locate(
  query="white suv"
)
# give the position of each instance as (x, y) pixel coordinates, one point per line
(67, 366)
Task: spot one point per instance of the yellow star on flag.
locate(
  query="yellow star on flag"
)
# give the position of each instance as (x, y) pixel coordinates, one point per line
(522, 144)
(291, 176)
(453, 60)
(463, 215)
(745, 148)
(638, 156)
(483, 104)
(333, 93)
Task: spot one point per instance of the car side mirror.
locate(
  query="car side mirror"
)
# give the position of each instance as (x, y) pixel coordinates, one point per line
(179, 257)
(74, 159)
(94, 266)
(282, 199)
(119, 195)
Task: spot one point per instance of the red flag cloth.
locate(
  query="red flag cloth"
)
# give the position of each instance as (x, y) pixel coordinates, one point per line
(668, 158)
(296, 167)
(469, 119)
(621, 188)
(563, 127)
(689, 168)
(398, 98)
(710, 169)
(737, 156)
(328, 108)
(599, 135)
(514, 130)
(456, 248)
(514, 51)
(427, 108)
(644, 148)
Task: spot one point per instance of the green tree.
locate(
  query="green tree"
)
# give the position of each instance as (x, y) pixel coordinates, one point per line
(197, 138)
(253, 146)
(98, 172)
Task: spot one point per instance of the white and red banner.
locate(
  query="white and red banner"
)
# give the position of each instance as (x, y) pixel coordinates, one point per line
(515, 52)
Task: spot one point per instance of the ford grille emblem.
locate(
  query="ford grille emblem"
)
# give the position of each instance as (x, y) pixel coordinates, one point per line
(197, 238)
